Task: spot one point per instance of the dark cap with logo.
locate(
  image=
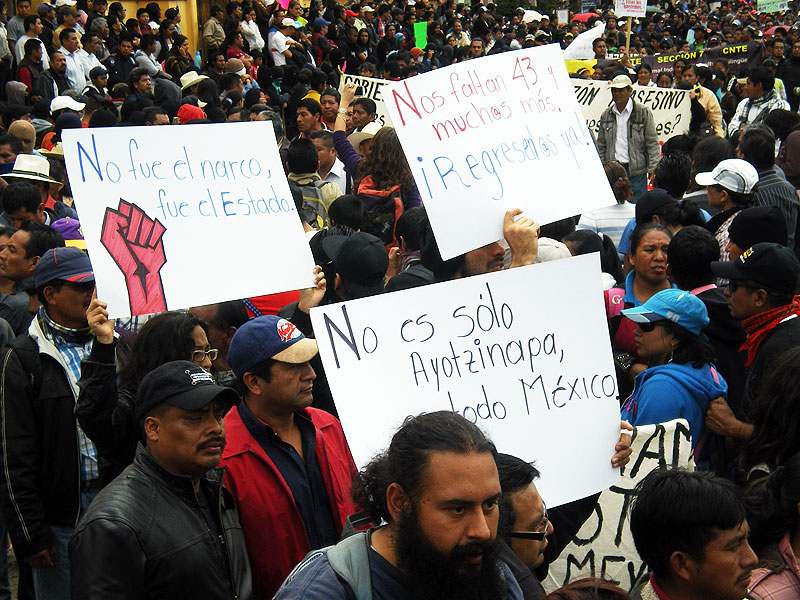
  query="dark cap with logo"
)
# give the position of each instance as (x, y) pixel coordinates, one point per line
(771, 265)
(180, 383)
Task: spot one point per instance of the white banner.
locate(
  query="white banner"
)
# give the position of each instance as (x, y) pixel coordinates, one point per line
(495, 133)
(671, 108)
(603, 547)
(177, 216)
(534, 370)
(372, 89)
(581, 46)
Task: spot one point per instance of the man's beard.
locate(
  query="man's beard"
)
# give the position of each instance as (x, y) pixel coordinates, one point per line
(433, 575)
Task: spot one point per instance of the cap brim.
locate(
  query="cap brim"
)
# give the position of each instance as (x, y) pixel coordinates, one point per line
(197, 398)
(80, 277)
(301, 351)
(705, 179)
(728, 269)
(640, 314)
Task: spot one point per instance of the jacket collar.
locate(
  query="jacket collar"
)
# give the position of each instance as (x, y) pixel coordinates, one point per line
(181, 484)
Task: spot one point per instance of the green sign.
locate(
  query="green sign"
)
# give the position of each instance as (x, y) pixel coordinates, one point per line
(421, 35)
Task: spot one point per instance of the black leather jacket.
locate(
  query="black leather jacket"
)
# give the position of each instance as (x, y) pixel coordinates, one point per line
(145, 536)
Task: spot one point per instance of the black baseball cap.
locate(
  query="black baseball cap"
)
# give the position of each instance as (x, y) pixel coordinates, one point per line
(768, 264)
(180, 383)
(650, 202)
(360, 258)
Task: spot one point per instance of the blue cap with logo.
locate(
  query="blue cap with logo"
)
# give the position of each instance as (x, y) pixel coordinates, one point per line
(69, 264)
(678, 306)
(268, 337)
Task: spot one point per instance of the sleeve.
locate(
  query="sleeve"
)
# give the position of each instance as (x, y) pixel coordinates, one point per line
(601, 142)
(106, 561)
(22, 506)
(414, 198)
(347, 154)
(208, 34)
(651, 139)
(736, 121)
(24, 75)
(659, 401)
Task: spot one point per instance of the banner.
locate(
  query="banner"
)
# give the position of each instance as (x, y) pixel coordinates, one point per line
(534, 371)
(372, 89)
(177, 216)
(630, 8)
(671, 108)
(581, 46)
(771, 6)
(739, 57)
(479, 134)
(604, 547)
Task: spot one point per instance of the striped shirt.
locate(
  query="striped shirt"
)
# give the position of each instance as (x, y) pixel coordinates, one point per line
(774, 190)
(609, 220)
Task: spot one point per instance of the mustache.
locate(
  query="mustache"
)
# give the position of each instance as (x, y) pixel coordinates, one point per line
(213, 442)
(471, 550)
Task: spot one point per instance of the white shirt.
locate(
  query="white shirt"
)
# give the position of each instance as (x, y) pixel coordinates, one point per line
(75, 77)
(621, 144)
(88, 62)
(277, 46)
(19, 51)
(337, 175)
(4, 51)
(252, 35)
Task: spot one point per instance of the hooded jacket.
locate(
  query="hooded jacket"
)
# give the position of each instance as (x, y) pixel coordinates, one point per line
(673, 391)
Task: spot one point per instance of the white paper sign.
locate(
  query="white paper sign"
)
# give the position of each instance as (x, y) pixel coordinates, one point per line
(533, 369)
(581, 46)
(495, 133)
(603, 547)
(562, 15)
(630, 8)
(181, 216)
(372, 89)
(671, 108)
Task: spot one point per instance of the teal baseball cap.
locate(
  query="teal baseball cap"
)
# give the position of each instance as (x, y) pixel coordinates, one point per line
(678, 306)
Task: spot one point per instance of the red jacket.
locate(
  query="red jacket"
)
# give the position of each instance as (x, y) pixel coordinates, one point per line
(275, 535)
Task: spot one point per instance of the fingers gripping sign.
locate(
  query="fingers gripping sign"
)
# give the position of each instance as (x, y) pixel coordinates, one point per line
(135, 243)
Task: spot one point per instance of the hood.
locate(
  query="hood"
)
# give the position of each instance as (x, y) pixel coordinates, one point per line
(722, 326)
(701, 384)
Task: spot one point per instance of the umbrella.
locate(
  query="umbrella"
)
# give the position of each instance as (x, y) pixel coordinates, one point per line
(583, 17)
(771, 31)
(654, 9)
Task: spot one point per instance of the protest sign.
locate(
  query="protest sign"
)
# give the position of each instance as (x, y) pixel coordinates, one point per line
(372, 89)
(603, 547)
(529, 16)
(421, 34)
(535, 371)
(482, 135)
(630, 8)
(562, 14)
(771, 6)
(739, 57)
(671, 108)
(176, 216)
(581, 46)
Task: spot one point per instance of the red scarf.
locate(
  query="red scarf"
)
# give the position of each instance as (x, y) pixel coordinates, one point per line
(758, 326)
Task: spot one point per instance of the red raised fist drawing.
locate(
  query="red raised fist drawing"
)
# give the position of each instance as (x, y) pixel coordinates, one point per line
(134, 242)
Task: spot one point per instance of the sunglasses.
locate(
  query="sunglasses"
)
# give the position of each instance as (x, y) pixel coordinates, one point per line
(533, 535)
(646, 327)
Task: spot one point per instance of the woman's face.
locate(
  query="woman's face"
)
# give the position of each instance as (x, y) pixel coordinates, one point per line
(184, 48)
(363, 36)
(390, 31)
(219, 61)
(170, 30)
(649, 258)
(656, 344)
(664, 81)
(644, 77)
(250, 16)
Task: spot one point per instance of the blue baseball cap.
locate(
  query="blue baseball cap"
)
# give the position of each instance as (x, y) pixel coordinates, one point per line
(69, 264)
(678, 306)
(268, 337)
(320, 22)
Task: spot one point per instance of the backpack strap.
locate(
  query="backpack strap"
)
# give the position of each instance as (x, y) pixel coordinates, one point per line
(349, 559)
(27, 352)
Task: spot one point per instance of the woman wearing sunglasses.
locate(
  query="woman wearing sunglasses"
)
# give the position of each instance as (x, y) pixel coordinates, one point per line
(105, 403)
(680, 379)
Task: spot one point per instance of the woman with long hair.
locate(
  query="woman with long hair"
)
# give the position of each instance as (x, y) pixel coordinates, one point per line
(179, 59)
(165, 39)
(611, 220)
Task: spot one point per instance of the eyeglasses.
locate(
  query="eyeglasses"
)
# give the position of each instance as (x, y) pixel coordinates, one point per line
(199, 356)
(646, 327)
(81, 287)
(534, 535)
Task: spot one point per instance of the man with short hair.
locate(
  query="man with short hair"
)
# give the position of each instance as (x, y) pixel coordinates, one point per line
(121, 63)
(86, 55)
(155, 115)
(690, 529)
(303, 161)
(281, 42)
(53, 81)
(223, 320)
(69, 48)
(166, 526)
(628, 135)
(67, 18)
(51, 471)
(365, 111)
(47, 13)
(33, 31)
(759, 98)
(31, 66)
(459, 35)
(287, 464)
(437, 491)
(16, 24)
(308, 117)
(33, 170)
(476, 48)
(330, 168)
(144, 57)
(213, 32)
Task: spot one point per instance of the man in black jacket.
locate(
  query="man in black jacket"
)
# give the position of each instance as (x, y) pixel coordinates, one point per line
(53, 81)
(50, 468)
(166, 527)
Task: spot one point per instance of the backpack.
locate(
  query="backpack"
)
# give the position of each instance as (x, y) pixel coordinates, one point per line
(314, 211)
(382, 208)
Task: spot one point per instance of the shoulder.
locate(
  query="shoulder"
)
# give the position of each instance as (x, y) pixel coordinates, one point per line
(313, 578)
(128, 500)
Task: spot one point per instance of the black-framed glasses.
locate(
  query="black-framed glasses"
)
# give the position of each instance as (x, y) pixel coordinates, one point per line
(534, 535)
(199, 356)
(646, 327)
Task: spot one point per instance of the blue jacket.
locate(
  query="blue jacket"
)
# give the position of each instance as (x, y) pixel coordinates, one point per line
(674, 391)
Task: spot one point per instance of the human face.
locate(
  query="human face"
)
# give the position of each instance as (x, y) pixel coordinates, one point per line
(187, 442)
(620, 96)
(13, 263)
(724, 571)
(217, 337)
(101, 81)
(125, 48)
(19, 218)
(144, 85)
(38, 27)
(690, 76)
(201, 345)
(476, 49)
(306, 122)
(58, 63)
(360, 116)
(600, 50)
(326, 155)
(161, 120)
(752, 90)
(183, 49)
(143, 19)
(23, 8)
(363, 36)
(649, 259)
(219, 61)
(71, 42)
(530, 516)
(644, 77)
(329, 107)
(656, 344)
(744, 302)
(486, 259)
(717, 198)
(67, 306)
(796, 50)
(91, 44)
(457, 28)
(289, 388)
(777, 50)
(7, 155)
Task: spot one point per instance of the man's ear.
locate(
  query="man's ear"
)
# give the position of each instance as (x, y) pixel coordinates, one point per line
(252, 383)
(152, 428)
(397, 501)
(683, 566)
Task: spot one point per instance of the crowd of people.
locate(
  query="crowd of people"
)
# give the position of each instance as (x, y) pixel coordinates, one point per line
(198, 453)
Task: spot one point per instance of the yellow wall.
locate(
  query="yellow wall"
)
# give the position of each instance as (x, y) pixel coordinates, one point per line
(189, 19)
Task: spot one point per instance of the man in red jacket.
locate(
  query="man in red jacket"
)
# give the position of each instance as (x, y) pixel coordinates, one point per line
(288, 465)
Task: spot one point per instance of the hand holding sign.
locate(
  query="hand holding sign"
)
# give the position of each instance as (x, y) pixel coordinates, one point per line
(134, 241)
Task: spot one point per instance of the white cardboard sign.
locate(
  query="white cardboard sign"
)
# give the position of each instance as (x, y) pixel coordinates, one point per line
(533, 369)
(603, 547)
(372, 89)
(630, 8)
(499, 132)
(181, 216)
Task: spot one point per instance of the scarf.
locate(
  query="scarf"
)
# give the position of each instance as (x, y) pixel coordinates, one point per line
(758, 326)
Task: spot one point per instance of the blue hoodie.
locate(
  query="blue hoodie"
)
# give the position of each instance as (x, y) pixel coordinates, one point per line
(674, 391)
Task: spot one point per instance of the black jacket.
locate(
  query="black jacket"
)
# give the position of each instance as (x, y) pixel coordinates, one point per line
(145, 536)
(40, 457)
(779, 340)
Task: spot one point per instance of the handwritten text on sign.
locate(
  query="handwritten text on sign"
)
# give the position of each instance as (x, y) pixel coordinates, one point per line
(534, 370)
(671, 108)
(169, 212)
(494, 133)
(372, 89)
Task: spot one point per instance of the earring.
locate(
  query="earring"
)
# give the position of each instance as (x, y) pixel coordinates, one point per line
(671, 350)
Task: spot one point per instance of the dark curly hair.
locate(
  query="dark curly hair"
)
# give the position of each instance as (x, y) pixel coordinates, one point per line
(386, 163)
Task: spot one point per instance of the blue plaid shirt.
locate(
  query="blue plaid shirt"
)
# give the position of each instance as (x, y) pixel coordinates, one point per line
(73, 345)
